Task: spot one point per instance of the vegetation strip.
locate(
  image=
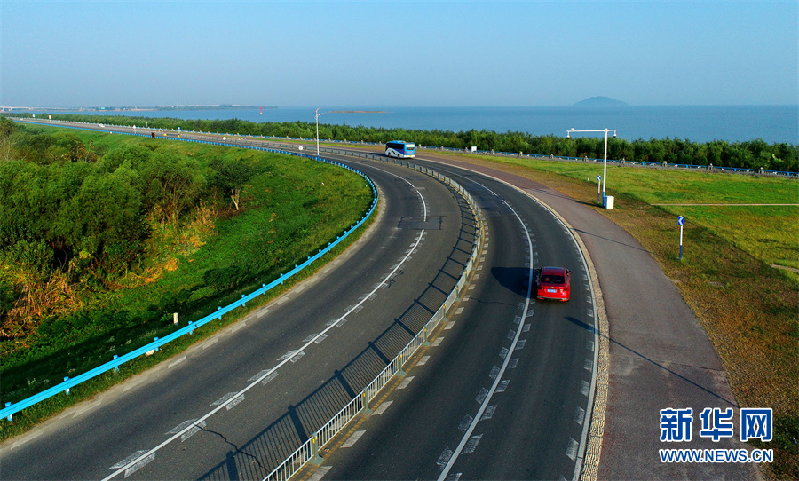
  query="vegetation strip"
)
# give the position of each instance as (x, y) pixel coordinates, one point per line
(306, 260)
(154, 346)
(754, 154)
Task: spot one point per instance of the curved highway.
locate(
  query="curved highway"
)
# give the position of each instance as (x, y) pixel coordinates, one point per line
(502, 393)
(505, 394)
(287, 368)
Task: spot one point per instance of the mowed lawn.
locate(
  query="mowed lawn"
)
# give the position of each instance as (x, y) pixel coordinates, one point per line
(770, 233)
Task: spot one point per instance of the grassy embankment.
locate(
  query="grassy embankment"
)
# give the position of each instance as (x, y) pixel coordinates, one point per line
(292, 208)
(749, 309)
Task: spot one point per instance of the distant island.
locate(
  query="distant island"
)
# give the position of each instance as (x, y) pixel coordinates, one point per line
(357, 112)
(600, 102)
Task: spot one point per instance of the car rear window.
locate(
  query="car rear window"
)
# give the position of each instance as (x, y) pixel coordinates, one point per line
(553, 279)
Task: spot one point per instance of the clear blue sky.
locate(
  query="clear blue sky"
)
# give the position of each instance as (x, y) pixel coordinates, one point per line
(526, 53)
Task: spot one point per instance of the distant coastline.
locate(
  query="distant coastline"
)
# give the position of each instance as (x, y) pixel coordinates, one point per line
(701, 124)
(358, 112)
(157, 108)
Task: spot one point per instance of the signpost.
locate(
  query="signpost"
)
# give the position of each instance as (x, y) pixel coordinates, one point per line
(681, 223)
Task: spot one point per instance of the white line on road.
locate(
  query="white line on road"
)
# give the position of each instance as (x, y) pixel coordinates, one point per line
(353, 439)
(484, 404)
(405, 382)
(382, 408)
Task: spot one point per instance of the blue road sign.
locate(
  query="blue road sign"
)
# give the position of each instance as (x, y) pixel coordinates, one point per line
(680, 220)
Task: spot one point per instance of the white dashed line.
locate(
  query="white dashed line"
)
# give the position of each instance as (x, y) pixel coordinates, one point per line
(405, 382)
(571, 449)
(353, 439)
(382, 408)
(177, 361)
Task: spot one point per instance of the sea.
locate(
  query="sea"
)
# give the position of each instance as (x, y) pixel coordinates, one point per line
(773, 124)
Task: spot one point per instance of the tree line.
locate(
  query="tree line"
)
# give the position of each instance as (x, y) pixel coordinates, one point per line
(69, 209)
(751, 154)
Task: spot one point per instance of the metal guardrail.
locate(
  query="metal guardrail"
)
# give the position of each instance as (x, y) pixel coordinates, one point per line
(10, 409)
(309, 451)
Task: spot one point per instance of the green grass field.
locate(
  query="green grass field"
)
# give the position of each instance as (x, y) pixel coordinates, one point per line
(770, 233)
(293, 207)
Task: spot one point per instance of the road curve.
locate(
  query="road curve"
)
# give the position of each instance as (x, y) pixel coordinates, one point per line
(659, 355)
(366, 305)
(503, 392)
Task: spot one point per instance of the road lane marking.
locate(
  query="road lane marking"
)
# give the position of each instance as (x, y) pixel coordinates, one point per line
(405, 382)
(353, 439)
(465, 423)
(382, 408)
(489, 393)
(579, 415)
(471, 445)
(444, 458)
(481, 396)
(177, 361)
(571, 449)
(320, 473)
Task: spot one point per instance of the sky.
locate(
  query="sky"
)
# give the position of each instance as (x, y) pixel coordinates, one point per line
(372, 53)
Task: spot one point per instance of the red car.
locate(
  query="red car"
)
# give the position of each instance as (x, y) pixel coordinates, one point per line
(553, 283)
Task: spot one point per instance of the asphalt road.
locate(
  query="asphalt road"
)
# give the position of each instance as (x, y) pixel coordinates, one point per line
(504, 394)
(659, 355)
(329, 336)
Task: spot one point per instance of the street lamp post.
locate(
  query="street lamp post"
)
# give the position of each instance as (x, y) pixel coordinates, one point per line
(605, 163)
(316, 115)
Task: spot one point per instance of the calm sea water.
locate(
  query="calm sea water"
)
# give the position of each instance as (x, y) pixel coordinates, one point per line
(701, 124)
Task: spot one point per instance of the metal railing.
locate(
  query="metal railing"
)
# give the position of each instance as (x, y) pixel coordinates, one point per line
(309, 450)
(12, 408)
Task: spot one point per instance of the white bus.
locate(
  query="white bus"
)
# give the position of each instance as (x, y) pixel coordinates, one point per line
(400, 149)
